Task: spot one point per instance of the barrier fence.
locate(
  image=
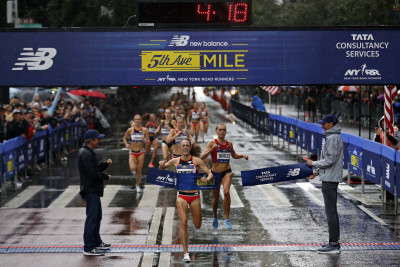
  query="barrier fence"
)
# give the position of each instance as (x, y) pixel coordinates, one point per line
(17, 154)
(373, 161)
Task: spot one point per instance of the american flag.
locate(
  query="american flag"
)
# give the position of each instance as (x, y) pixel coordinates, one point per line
(390, 94)
(273, 90)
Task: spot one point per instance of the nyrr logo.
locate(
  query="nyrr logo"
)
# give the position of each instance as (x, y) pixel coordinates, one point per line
(179, 40)
(362, 72)
(41, 60)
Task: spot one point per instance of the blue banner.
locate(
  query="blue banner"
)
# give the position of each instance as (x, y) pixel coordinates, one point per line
(181, 181)
(1, 163)
(397, 176)
(272, 124)
(312, 137)
(355, 154)
(30, 151)
(192, 181)
(388, 159)
(161, 177)
(276, 174)
(345, 139)
(302, 134)
(40, 145)
(21, 154)
(10, 158)
(279, 126)
(199, 57)
(371, 161)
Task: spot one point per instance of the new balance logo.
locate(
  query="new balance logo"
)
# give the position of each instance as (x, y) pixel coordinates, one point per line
(293, 172)
(41, 60)
(179, 40)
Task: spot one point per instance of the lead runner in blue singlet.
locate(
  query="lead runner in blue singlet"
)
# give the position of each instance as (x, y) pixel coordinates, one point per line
(138, 136)
(188, 163)
(221, 151)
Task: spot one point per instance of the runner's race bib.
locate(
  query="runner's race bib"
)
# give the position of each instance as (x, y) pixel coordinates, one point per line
(137, 137)
(195, 116)
(164, 131)
(180, 138)
(152, 130)
(185, 169)
(223, 155)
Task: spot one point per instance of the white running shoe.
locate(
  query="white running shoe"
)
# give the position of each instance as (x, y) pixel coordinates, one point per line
(138, 190)
(186, 257)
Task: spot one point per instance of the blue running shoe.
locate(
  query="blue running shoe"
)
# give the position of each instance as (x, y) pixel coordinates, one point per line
(215, 223)
(228, 224)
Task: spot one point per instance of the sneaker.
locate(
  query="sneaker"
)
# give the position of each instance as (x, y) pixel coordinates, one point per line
(93, 252)
(138, 190)
(329, 249)
(103, 246)
(228, 224)
(215, 223)
(186, 257)
(151, 165)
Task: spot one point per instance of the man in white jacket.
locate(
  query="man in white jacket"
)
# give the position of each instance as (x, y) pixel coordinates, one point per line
(330, 170)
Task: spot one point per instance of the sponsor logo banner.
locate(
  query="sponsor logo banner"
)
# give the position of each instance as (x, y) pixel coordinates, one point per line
(276, 174)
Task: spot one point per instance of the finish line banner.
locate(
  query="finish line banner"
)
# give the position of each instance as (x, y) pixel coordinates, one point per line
(199, 57)
(182, 181)
(276, 174)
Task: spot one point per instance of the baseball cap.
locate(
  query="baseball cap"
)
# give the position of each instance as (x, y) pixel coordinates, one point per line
(328, 118)
(16, 111)
(93, 134)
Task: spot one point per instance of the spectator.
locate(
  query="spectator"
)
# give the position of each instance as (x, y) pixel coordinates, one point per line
(16, 127)
(36, 100)
(2, 124)
(257, 103)
(8, 113)
(391, 140)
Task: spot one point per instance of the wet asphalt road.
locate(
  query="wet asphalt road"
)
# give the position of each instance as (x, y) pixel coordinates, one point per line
(284, 213)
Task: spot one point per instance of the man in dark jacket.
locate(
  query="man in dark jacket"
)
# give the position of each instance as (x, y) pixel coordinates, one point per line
(92, 188)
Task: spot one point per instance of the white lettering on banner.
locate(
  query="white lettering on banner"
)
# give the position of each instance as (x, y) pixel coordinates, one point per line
(41, 60)
(179, 40)
(293, 172)
(371, 168)
(266, 176)
(387, 171)
(165, 178)
(362, 45)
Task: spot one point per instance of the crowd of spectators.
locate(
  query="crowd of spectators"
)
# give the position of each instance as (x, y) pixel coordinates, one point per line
(20, 118)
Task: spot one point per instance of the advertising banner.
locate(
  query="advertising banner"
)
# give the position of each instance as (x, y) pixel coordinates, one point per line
(199, 57)
(371, 162)
(292, 129)
(387, 164)
(272, 124)
(302, 134)
(397, 176)
(276, 174)
(346, 158)
(10, 158)
(161, 177)
(312, 138)
(40, 145)
(355, 154)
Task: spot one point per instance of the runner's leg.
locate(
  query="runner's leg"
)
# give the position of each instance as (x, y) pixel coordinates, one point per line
(182, 207)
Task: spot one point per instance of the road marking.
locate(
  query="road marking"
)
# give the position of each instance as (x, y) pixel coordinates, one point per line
(165, 258)
(312, 191)
(109, 193)
(66, 197)
(370, 213)
(235, 200)
(22, 197)
(359, 196)
(150, 196)
(152, 236)
(275, 195)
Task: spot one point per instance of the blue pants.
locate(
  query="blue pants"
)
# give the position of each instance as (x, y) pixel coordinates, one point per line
(91, 234)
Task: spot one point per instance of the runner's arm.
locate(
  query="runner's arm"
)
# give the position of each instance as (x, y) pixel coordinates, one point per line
(201, 165)
(127, 133)
(209, 148)
(237, 156)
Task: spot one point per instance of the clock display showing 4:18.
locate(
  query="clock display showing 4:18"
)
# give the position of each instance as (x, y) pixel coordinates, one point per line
(233, 12)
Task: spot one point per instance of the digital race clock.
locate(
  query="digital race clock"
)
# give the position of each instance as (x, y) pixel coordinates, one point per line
(213, 12)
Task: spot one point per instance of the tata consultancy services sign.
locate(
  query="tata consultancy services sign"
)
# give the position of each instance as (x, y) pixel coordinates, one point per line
(200, 57)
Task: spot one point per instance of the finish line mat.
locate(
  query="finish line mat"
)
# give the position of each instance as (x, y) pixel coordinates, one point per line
(203, 248)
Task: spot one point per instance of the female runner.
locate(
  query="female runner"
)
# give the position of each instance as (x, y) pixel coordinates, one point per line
(154, 128)
(177, 135)
(138, 135)
(221, 150)
(204, 115)
(188, 163)
(166, 126)
(195, 125)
